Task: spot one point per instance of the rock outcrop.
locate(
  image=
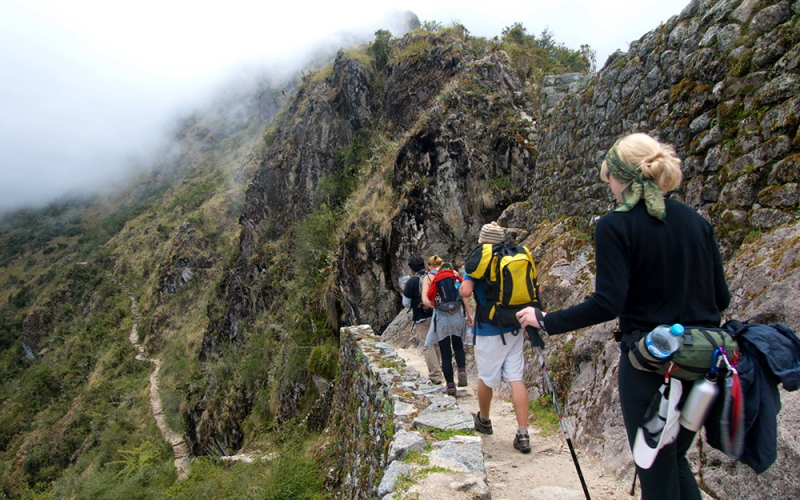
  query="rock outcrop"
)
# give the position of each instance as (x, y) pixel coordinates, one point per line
(719, 82)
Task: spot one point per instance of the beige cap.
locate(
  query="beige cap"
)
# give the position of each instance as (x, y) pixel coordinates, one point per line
(492, 233)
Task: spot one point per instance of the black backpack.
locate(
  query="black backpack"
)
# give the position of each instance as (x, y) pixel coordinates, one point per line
(447, 296)
(421, 276)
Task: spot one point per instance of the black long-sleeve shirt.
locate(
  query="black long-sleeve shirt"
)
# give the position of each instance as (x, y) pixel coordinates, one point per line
(651, 273)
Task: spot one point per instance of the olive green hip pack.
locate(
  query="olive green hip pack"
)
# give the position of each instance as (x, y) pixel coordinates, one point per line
(693, 359)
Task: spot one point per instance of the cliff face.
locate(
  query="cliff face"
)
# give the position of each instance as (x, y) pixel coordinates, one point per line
(720, 82)
(466, 159)
(304, 150)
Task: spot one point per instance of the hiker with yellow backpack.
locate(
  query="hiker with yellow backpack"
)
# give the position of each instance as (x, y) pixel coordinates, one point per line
(503, 279)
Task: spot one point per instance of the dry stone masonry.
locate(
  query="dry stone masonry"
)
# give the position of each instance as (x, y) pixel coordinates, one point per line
(721, 82)
(382, 423)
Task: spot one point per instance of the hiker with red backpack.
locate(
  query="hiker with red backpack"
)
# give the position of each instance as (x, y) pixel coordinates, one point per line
(412, 298)
(450, 316)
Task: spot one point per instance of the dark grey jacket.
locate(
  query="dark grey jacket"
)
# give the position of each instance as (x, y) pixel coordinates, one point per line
(771, 357)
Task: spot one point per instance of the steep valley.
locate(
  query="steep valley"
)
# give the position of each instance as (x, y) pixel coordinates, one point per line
(289, 209)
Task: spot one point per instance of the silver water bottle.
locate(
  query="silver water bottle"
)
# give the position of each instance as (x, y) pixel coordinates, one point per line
(700, 399)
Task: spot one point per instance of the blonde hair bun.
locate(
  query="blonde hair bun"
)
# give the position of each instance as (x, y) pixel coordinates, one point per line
(657, 161)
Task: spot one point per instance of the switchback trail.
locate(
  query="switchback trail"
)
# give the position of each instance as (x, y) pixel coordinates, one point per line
(547, 473)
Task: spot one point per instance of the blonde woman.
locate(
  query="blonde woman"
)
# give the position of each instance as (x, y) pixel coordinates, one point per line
(447, 328)
(657, 263)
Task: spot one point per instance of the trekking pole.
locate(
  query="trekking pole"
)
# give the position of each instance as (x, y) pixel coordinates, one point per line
(537, 343)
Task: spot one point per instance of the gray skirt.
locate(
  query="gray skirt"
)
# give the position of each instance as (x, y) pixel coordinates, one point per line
(445, 324)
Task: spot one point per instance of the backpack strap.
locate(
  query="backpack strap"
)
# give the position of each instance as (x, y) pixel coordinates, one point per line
(710, 338)
(628, 337)
(496, 256)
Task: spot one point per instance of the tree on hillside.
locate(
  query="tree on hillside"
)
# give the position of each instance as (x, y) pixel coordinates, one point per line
(380, 49)
(535, 57)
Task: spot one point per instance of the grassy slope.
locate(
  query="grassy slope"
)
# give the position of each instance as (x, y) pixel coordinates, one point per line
(75, 422)
(74, 419)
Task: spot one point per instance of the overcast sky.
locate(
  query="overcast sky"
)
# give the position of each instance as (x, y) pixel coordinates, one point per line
(87, 86)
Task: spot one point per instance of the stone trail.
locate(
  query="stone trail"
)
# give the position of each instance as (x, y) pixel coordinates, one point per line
(179, 446)
(547, 473)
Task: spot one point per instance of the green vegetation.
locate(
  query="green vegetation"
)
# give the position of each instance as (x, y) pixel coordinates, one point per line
(501, 182)
(292, 474)
(535, 57)
(416, 457)
(431, 434)
(75, 420)
(581, 233)
(80, 400)
(316, 241)
(532, 57)
(404, 483)
(543, 415)
(390, 364)
(324, 360)
(380, 49)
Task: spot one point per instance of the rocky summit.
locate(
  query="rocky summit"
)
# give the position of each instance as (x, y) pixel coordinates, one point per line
(289, 211)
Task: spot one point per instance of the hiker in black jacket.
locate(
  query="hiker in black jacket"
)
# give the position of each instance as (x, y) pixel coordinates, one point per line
(657, 263)
(412, 298)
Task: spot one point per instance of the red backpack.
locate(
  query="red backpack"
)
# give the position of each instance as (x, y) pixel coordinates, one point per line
(443, 292)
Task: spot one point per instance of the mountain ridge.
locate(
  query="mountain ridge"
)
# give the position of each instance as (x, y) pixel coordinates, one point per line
(402, 147)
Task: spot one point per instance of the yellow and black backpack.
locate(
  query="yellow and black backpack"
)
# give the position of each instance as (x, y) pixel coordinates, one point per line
(509, 275)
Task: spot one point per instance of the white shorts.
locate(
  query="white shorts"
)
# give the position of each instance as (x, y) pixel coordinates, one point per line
(497, 362)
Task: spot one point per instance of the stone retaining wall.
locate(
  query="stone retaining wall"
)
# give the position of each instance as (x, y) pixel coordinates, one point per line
(383, 425)
(721, 83)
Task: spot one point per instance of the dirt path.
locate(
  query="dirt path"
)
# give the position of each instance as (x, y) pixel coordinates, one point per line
(547, 472)
(179, 447)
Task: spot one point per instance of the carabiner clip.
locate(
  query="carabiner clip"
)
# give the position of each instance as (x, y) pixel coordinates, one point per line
(716, 360)
(731, 366)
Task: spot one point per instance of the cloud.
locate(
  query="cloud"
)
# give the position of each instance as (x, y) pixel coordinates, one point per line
(89, 86)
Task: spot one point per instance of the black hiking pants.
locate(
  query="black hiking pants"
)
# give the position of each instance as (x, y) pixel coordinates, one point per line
(447, 355)
(670, 477)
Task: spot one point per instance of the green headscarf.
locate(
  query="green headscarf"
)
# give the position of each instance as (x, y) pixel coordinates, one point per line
(637, 184)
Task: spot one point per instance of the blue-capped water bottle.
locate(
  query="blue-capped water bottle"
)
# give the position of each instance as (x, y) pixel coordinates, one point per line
(664, 340)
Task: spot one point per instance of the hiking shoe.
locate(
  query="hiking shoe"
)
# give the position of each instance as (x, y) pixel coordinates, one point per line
(451, 388)
(462, 379)
(522, 442)
(481, 425)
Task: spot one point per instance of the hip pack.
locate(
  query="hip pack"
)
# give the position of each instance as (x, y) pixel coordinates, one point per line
(693, 359)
